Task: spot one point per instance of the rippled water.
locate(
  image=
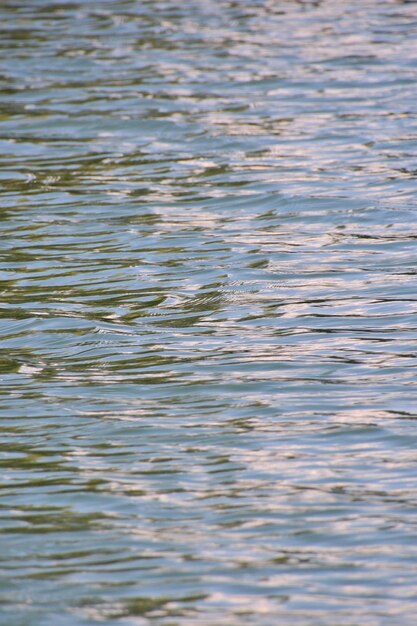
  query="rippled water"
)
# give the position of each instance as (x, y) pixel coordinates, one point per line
(208, 333)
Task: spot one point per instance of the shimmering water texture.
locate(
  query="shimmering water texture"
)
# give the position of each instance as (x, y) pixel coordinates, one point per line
(208, 332)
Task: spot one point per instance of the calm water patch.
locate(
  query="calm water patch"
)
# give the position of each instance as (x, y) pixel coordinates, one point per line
(208, 314)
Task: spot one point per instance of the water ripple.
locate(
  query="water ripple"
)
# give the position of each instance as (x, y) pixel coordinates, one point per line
(208, 331)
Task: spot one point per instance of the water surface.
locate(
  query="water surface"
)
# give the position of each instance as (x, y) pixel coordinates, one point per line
(208, 297)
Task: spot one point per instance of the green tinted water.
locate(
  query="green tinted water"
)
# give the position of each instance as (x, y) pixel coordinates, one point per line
(208, 332)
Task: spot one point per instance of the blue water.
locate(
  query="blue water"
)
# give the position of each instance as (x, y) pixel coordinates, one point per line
(208, 313)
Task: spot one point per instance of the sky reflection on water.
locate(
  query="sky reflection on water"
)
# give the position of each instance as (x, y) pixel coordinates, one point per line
(208, 328)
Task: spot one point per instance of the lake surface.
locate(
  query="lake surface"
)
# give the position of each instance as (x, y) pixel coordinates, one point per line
(208, 313)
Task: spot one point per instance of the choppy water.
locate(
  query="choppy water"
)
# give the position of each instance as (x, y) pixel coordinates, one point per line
(208, 296)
